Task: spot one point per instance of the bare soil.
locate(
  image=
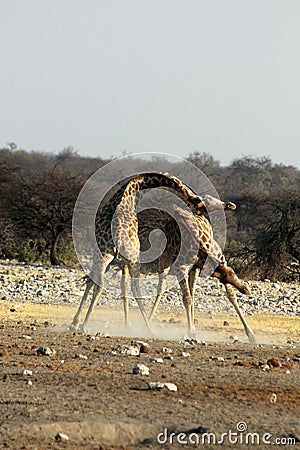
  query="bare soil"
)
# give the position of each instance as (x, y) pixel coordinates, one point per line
(223, 384)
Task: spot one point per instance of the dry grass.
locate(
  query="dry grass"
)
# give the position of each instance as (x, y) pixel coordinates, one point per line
(268, 328)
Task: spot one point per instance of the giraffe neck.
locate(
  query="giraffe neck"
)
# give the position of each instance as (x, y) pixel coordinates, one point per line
(216, 253)
(151, 180)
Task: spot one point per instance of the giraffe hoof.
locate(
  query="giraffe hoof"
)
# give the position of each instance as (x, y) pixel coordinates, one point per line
(73, 328)
(192, 333)
(252, 339)
(82, 329)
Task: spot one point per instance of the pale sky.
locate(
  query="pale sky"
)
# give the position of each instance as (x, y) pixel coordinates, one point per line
(172, 76)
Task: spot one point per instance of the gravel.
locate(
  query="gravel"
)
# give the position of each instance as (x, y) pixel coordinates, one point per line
(32, 283)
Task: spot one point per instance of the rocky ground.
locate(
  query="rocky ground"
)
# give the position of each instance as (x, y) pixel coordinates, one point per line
(69, 390)
(52, 285)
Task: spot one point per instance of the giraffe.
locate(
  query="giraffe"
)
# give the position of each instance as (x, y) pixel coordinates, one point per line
(209, 250)
(123, 241)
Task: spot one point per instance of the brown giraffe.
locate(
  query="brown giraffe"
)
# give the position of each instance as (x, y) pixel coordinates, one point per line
(116, 231)
(198, 227)
(155, 219)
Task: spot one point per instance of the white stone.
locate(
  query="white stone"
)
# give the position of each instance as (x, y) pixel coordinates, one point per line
(80, 356)
(46, 351)
(171, 387)
(158, 385)
(61, 437)
(157, 360)
(131, 350)
(141, 369)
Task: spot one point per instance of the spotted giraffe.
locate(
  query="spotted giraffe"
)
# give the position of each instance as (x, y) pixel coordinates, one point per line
(198, 228)
(116, 232)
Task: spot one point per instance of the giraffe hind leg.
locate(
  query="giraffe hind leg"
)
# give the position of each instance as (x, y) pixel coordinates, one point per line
(160, 291)
(98, 288)
(124, 290)
(193, 275)
(135, 286)
(75, 322)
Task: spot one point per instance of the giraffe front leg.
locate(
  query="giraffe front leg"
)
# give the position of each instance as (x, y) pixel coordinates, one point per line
(233, 300)
(188, 304)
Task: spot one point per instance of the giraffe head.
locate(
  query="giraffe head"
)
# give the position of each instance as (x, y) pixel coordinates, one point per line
(227, 275)
(209, 204)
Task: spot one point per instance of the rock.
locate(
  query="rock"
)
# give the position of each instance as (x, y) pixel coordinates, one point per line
(189, 341)
(27, 372)
(273, 398)
(171, 387)
(97, 350)
(46, 351)
(80, 356)
(51, 285)
(154, 386)
(29, 382)
(61, 437)
(144, 348)
(242, 363)
(157, 360)
(141, 369)
(131, 350)
(166, 350)
(218, 358)
(185, 354)
(225, 323)
(274, 362)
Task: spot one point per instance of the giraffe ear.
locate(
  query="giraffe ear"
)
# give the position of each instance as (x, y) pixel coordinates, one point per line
(188, 224)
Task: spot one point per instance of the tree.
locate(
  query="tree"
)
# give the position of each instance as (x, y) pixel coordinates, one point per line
(204, 161)
(278, 240)
(41, 205)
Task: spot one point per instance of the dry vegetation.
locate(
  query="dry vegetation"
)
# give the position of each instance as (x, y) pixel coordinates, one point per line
(263, 238)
